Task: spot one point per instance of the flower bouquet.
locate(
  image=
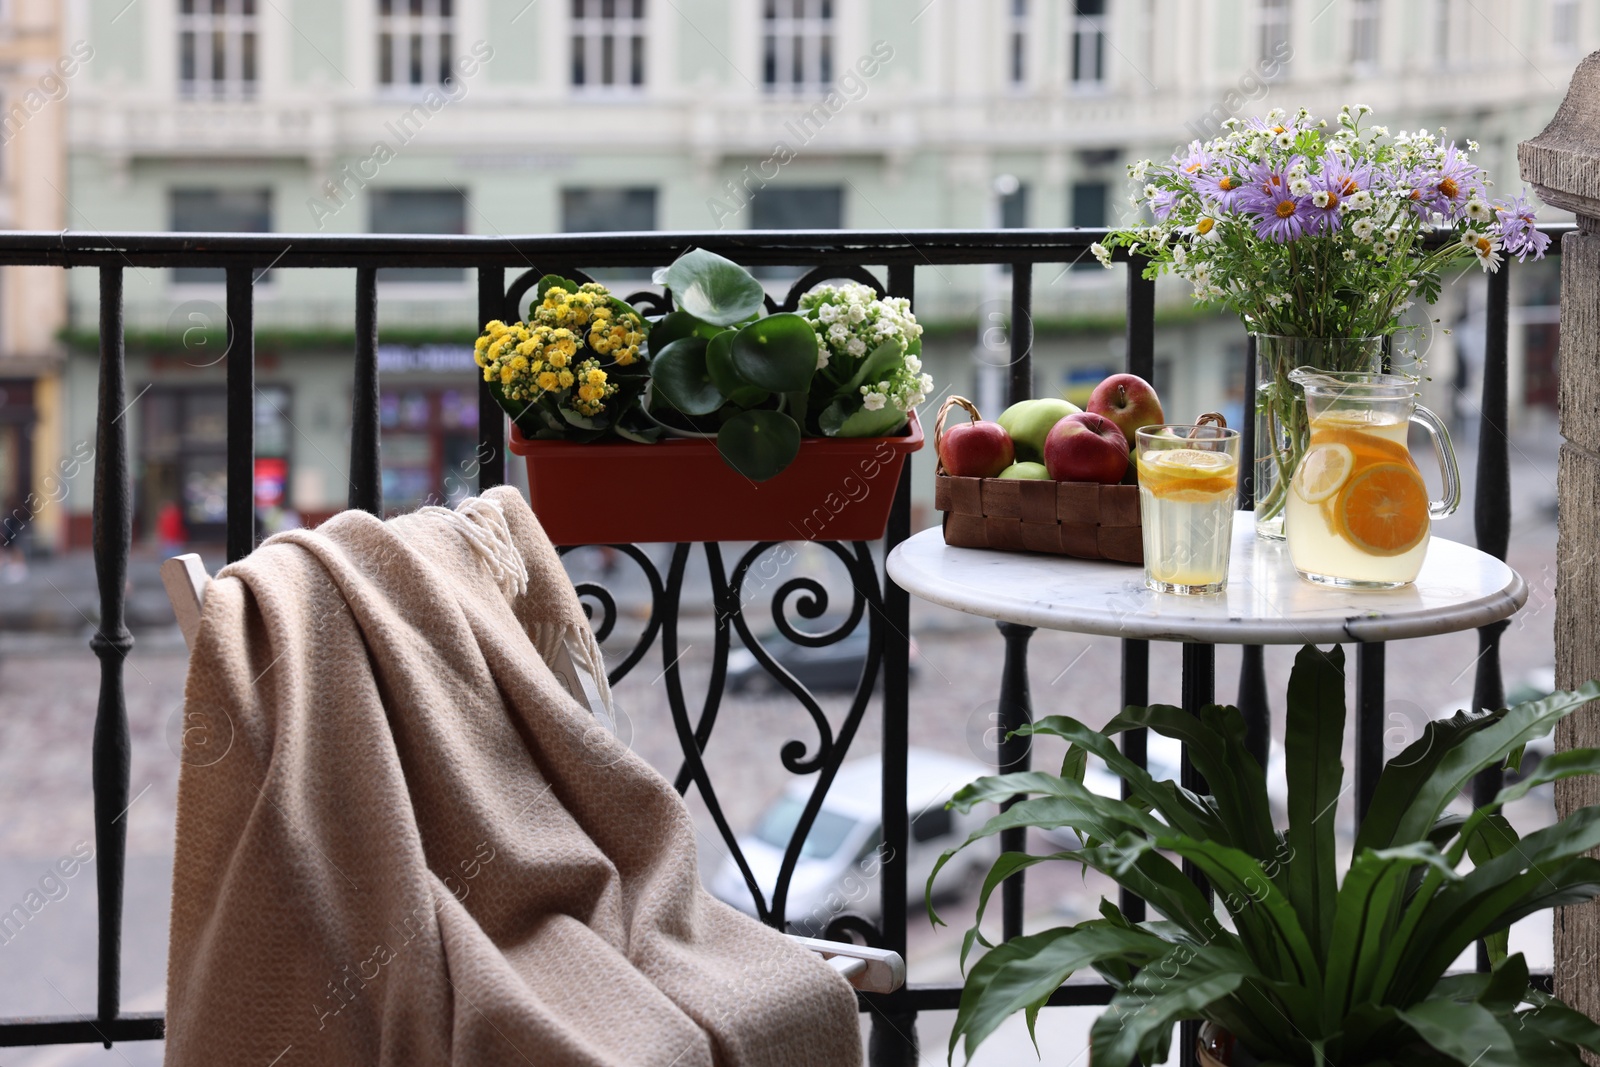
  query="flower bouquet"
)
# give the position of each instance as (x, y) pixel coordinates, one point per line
(1315, 235)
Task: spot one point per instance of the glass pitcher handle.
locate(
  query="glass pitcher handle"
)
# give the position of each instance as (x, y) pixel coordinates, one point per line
(1438, 509)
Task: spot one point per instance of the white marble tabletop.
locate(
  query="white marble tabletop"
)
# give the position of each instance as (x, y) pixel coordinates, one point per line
(1265, 603)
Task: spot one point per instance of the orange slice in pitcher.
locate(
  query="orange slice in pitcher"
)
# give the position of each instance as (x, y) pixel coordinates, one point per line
(1322, 471)
(1383, 510)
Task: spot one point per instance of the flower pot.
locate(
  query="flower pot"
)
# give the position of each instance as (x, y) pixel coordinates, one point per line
(618, 492)
(1215, 1047)
(1281, 425)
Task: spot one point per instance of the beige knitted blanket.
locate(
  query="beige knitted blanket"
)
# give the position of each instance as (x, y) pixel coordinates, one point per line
(400, 841)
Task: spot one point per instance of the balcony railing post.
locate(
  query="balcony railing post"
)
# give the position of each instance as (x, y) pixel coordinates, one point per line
(491, 457)
(893, 1041)
(113, 533)
(241, 357)
(366, 465)
(1141, 360)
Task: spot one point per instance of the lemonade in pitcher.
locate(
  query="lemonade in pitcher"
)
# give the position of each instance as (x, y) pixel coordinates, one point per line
(1358, 512)
(1188, 484)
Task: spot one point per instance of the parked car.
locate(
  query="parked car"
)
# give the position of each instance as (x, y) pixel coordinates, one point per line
(835, 667)
(838, 867)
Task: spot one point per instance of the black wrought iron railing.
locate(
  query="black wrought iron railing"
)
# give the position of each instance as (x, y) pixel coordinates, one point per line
(877, 602)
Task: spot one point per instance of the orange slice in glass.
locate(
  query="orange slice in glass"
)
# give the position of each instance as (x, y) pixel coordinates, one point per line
(1188, 473)
(1383, 510)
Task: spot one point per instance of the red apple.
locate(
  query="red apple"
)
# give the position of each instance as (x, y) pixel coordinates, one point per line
(1086, 448)
(976, 450)
(1129, 401)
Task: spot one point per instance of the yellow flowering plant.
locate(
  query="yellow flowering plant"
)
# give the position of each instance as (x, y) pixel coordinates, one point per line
(575, 369)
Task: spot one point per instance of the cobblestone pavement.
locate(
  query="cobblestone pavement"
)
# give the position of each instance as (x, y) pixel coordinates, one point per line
(47, 706)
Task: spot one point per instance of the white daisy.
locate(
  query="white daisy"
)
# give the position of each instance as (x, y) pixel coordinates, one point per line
(1362, 228)
(1300, 187)
(1284, 140)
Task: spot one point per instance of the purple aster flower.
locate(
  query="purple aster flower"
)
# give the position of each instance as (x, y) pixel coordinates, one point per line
(1220, 185)
(1415, 185)
(1190, 161)
(1163, 203)
(1342, 176)
(1519, 233)
(1447, 189)
(1280, 216)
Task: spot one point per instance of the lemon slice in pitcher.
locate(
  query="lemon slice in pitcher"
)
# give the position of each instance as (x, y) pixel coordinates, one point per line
(1323, 470)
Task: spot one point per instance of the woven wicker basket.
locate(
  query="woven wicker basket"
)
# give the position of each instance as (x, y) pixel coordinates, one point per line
(1082, 519)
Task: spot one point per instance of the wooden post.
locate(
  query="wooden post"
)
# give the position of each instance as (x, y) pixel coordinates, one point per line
(1563, 166)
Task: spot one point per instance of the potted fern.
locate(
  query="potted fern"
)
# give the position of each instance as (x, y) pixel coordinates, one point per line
(1318, 967)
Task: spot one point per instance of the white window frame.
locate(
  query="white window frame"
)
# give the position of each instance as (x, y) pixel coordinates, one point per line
(620, 33)
(1366, 34)
(1018, 24)
(1274, 26)
(1566, 18)
(1084, 33)
(814, 31)
(239, 22)
(1451, 47)
(433, 29)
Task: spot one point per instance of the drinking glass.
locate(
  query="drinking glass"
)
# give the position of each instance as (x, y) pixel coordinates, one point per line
(1188, 485)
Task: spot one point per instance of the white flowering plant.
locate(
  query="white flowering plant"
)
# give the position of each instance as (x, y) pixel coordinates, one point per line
(869, 367)
(845, 365)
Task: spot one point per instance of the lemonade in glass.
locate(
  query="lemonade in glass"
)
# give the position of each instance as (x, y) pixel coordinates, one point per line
(1358, 512)
(1188, 483)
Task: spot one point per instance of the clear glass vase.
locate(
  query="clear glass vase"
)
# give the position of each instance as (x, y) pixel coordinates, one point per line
(1281, 425)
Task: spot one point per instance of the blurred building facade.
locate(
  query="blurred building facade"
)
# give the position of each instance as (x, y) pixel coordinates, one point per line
(36, 75)
(521, 116)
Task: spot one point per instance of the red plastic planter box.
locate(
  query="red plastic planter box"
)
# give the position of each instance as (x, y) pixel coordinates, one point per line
(679, 489)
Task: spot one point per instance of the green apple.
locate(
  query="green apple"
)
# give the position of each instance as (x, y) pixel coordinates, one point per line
(1029, 422)
(1026, 471)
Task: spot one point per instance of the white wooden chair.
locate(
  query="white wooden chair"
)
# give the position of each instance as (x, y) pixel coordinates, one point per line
(872, 970)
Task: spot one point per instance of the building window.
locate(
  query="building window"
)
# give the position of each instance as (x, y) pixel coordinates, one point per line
(1089, 43)
(798, 207)
(1087, 210)
(1273, 27)
(1017, 43)
(795, 207)
(797, 44)
(1564, 25)
(418, 211)
(605, 210)
(217, 48)
(1364, 23)
(415, 42)
(1449, 34)
(1013, 203)
(607, 44)
(217, 211)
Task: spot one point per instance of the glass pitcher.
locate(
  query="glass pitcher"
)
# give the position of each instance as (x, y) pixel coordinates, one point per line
(1358, 513)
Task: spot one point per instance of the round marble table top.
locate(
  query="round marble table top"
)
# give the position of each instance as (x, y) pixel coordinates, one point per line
(1265, 603)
